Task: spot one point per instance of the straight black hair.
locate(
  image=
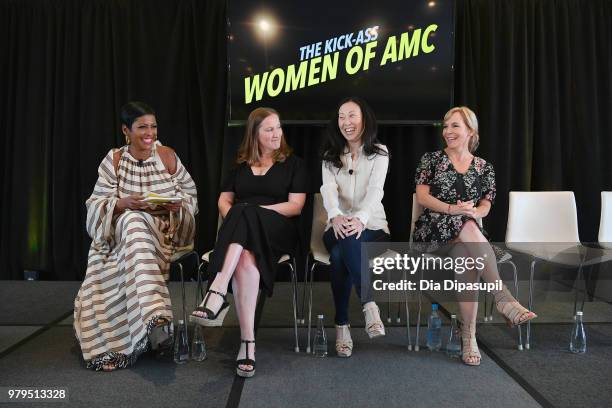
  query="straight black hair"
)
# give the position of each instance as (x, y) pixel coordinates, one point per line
(335, 144)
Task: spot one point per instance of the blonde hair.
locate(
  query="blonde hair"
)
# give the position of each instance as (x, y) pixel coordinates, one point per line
(249, 148)
(470, 120)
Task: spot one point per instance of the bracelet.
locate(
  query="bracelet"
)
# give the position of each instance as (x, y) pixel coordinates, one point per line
(449, 206)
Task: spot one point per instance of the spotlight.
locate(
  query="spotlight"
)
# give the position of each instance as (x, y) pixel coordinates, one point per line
(264, 25)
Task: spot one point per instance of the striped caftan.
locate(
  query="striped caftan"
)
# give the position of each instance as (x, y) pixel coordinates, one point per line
(124, 290)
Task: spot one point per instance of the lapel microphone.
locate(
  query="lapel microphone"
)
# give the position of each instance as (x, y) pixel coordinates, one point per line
(351, 172)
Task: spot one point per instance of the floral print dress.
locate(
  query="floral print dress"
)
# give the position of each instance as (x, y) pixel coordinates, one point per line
(447, 185)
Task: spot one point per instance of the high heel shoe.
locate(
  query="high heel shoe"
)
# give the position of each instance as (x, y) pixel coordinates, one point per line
(512, 311)
(344, 343)
(212, 319)
(469, 350)
(246, 361)
(373, 325)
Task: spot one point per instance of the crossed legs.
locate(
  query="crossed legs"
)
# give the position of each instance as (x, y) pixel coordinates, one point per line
(506, 303)
(240, 268)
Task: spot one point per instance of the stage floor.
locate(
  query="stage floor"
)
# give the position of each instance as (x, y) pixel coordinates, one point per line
(38, 349)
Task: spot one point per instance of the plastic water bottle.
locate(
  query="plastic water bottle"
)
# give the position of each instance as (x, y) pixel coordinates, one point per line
(434, 329)
(181, 343)
(453, 347)
(320, 339)
(198, 346)
(578, 339)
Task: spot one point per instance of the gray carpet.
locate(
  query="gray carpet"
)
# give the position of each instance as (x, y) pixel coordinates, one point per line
(563, 378)
(35, 303)
(381, 373)
(10, 335)
(53, 360)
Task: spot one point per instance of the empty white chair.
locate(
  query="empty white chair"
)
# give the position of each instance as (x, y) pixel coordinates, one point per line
(544, 225)
(605, 221)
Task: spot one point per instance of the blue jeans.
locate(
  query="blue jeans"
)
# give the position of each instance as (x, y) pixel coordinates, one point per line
(345, 257)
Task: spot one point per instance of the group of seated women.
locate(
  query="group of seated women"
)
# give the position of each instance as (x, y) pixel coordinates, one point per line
(123, 305)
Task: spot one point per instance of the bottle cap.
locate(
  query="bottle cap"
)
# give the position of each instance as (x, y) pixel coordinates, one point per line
(578, 313)
(319, 316)
(434, 306)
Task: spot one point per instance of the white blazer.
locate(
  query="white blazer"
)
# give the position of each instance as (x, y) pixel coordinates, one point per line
(357, 189)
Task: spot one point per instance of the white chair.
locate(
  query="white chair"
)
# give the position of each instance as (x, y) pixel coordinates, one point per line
(604, 252)
(319, 253)
(544, 225)
(286, 259)
(417, 210)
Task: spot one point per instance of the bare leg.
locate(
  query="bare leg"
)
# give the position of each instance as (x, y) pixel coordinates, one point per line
(246, 286)
(468, 306)
(221, 281)
(506, 303)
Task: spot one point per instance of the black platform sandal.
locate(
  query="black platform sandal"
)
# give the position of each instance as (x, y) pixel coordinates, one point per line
(212, 319)
(246, 361)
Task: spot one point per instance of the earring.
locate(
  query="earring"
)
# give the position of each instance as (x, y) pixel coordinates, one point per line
(127, 140)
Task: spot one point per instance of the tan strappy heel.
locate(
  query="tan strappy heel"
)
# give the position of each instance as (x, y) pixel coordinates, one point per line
(373, 325)
(344, 343)
(512, 311)
(470, 350)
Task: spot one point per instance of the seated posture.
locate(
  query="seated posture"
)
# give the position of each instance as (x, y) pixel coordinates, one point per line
(354, 170)
(259, 200)
(457, 188)
(123, 301)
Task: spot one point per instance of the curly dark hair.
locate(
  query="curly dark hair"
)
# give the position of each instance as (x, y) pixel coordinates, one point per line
(335, 144)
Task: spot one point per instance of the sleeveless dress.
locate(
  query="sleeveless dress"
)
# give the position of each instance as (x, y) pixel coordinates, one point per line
(124, 291)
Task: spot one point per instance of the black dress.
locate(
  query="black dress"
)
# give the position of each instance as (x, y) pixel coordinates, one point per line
(447, 185)
(266, 233)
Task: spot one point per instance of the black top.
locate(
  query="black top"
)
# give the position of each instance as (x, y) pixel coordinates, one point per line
(271, 188)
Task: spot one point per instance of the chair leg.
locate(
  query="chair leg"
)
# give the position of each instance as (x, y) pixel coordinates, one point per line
(310, 305)
(408, 335)
(183, 292)
(587, 281)
(419, 307)
(531, 277)
(293, 268)
(581, 278)
(485, 318)
(388, 298)
(303, 311)
(199, 293)
(516, 296)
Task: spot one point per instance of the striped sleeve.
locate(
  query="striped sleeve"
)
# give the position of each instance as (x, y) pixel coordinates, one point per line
(186, 188)
(101, 204)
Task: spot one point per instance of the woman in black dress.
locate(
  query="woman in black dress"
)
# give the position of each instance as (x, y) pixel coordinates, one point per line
(259, 198)
(457, 188)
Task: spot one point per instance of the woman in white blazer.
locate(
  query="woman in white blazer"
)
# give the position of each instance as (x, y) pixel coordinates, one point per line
(354, 169)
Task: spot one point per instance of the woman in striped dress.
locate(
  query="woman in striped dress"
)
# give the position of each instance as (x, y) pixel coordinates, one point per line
(124, 298)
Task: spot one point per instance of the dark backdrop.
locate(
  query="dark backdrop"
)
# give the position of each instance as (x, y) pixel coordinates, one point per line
(537, 73)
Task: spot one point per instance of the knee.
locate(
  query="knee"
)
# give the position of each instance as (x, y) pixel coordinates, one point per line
(130, 218)
(471, 229)
(246, 264)
(131, 222)
(335, 256)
